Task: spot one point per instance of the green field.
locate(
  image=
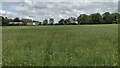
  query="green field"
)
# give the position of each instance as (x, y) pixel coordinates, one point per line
(74, 45)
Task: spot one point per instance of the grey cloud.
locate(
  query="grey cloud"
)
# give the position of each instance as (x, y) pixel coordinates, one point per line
(58, 10)
(59, 0)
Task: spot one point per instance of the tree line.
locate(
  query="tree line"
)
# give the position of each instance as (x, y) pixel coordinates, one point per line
(95, 18)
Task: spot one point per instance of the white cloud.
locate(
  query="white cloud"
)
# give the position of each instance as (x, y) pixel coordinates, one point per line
(27, 17)
(60, 16)
(8, 14)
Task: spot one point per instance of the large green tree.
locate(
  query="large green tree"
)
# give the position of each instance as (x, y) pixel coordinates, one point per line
(45, 22)
(96, 18)
(107, 18)
(16, 19)
(6, 21)
(51, 21)
(61, 22)
(66, 21)
(83, 19)
(115, 17)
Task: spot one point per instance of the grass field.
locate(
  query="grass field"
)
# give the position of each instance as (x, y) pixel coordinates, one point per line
(80, 45)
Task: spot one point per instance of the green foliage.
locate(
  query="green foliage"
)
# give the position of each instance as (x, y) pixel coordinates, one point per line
(119, 19)
(61, 22)
(6, 21)
(16, 20)
(66, 21)
(107, 18)
(25, 21)
(45, 22)
(96, 18)
(115, 17)
(1, 18)
(82, 19)
(51, 21)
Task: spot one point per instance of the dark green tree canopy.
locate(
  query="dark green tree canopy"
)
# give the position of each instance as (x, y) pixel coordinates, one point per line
(45, 22)
(51, 21)
(16, 20)
(82, 19)
(61, 22)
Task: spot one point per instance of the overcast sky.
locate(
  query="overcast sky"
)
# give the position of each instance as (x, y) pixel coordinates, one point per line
(56, 10)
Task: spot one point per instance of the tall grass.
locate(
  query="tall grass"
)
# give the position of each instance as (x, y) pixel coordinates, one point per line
(87, 45)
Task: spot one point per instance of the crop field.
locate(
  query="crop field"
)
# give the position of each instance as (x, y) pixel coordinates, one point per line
(68, 45)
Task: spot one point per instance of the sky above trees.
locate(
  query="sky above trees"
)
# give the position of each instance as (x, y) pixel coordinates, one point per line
(57, 10)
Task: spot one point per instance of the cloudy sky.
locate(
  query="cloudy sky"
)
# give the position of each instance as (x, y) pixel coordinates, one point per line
(57, 10)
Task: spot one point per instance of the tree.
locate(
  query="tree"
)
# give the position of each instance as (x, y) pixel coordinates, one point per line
(51, 21)
(107, 18)
(1, 20)
(25, 21)
(69, 21)
(45, 22)
(96, 18)
(82, 19)
(61, 22)
(72, 20)
(40, 23)
(119, 19)
(16, 20)
(115, 17)
(66, 21)
(6, 21)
